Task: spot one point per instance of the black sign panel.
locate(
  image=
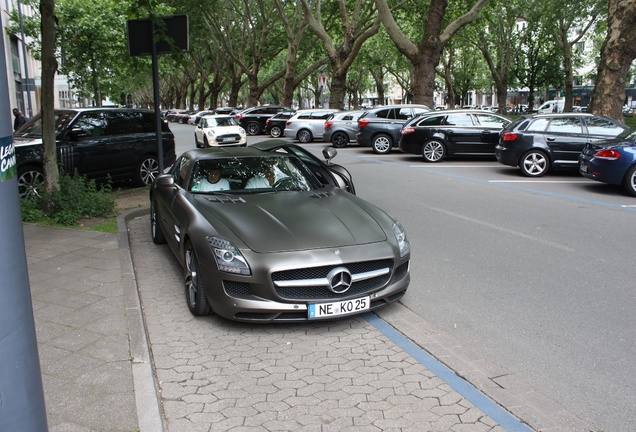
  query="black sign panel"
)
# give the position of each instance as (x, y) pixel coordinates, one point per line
(171, 35)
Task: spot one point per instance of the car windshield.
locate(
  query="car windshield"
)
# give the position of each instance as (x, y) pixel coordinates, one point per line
(223, 121)
(251, 175)
(33, 128)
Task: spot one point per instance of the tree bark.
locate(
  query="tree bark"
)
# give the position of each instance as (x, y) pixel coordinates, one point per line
(426, 56)
(617, 53)
(49, 67)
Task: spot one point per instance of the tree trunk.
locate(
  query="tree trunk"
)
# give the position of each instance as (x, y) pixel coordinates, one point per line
(49, 67)
(617, 54)
(424, 78)
(338, 90)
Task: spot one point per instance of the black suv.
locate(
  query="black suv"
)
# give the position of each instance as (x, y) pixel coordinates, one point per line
(253, 120)
(275, 125)
(536, 143)
(99, 143)
(379, 128)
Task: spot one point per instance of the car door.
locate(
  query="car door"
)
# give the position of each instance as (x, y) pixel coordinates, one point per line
(462, 135)
(85, 147)
(128, 141)
(565, 138)
(489, 127)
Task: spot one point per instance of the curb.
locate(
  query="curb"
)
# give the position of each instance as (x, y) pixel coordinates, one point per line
(146, 398)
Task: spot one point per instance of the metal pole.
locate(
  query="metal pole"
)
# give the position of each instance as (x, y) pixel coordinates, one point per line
(27, 84)
(155, 89)
(21, 392)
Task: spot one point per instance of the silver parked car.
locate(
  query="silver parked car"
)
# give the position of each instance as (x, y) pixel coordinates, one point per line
(278, 239)
(307, 125)
(341, 128)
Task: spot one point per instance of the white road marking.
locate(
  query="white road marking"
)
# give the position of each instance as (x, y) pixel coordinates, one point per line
(538, 181)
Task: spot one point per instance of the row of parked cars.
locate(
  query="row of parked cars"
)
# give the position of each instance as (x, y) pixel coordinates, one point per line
(535, 143)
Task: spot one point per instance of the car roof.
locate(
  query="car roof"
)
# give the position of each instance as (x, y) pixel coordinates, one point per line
(397, 106)
(228, 152)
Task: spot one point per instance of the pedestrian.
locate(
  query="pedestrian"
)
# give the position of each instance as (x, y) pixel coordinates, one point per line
(19, 119)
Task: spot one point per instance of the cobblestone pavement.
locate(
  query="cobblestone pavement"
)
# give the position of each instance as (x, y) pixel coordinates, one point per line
(217, 375)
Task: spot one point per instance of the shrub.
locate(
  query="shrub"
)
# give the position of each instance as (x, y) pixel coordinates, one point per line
(76, 199)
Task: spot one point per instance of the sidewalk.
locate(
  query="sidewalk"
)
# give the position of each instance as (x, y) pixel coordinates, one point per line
(212, 374)
(95, 364)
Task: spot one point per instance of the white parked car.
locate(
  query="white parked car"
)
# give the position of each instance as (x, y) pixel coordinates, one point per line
(307, 125)
(219, 131)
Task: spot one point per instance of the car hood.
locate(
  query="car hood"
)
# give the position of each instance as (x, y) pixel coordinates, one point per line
(288, 221)
(21, 142)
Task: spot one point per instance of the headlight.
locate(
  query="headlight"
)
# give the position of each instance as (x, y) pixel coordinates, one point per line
(241, 131)
(228, 258)
(403, 242)
(210, 132)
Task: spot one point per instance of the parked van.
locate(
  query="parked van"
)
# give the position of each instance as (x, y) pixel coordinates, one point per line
(551, 106)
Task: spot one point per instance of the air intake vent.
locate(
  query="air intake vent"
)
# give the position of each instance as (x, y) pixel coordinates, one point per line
(226, 199)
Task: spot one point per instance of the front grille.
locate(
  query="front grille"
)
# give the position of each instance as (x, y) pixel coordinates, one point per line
(228, 138)
(319, 292)
(238, 289)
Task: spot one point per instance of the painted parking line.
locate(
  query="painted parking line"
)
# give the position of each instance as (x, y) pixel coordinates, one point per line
(456, 166)
(538, 181)
(506, 420)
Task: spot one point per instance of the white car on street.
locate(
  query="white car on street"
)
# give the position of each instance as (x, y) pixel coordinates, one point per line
(219, 131)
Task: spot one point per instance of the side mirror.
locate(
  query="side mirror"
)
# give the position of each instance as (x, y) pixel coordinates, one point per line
(165, 180)
(329, 153)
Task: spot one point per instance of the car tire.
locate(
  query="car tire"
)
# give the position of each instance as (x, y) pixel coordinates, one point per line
(534, 163)
(155, 226)
(206, 143)
(147, 170)
(253, 128)
(339, 140)
(304, 136)
(433, 151)
(381, 144)
(629, 182)
(196, 298)
(275, 131)
(196, 141)
(30, 177)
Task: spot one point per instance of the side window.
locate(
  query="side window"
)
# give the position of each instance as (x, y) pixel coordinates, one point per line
(403, 113)
(347, 117)
(488, 120)
(148, 122)
(181, 171)
(459, 120)
(321, 116)
(601, 126)
(538, 125)
(565, 125)
(431, 121)
(304, 116)
(384, 113)
(92, 123)
(120, 123)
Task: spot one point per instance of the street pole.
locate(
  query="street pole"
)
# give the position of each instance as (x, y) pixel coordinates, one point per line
(21, 392)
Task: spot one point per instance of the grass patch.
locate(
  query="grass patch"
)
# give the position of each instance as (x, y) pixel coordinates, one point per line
(77, 199)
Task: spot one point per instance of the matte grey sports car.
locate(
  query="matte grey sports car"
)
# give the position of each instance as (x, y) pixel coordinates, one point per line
(267, 233)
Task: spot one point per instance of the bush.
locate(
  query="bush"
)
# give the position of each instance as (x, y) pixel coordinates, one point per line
(77, 198)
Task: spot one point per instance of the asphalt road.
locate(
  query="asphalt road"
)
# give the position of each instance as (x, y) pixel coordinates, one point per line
(537, 275)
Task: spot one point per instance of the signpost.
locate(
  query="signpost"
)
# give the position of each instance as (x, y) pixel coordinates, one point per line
(154, 36)
(21, 392)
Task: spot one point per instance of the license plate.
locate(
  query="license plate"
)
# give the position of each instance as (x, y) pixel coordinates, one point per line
(323, 310)
(227, 139)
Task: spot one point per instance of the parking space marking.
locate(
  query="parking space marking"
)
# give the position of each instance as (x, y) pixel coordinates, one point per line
(538, 181)
(457, 166)
(506, 420)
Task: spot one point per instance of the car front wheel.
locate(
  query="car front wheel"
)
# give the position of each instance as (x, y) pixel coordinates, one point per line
(629, 183)
(434, 151)
(534, 163)
(339, 140)
(275, 131)
(30, 178)
(253, 128)
(304, 136)
(147, 170)
(382, 144)
(194, 290)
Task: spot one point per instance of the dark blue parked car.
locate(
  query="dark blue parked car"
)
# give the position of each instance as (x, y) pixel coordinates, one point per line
(612, 161)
